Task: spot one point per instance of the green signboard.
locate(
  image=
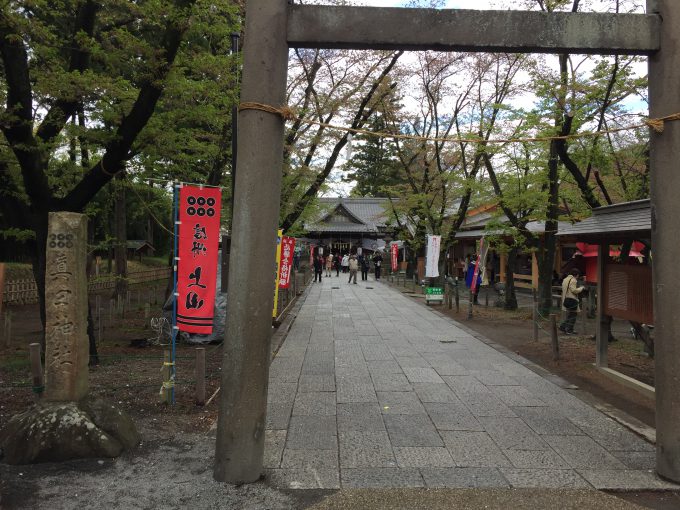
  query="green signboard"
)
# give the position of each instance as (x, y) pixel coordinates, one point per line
(434, 295)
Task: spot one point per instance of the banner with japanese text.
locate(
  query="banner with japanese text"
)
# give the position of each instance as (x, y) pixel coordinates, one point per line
(199, 230)
(394, 249)
(286, 266)
(432, 256)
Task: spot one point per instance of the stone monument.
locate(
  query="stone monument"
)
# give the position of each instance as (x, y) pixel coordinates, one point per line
(66, 423)
(66, 342)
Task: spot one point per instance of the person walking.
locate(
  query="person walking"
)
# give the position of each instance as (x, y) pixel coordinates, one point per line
(329, 264)
(570, 291)
(365, 265)
(353, 266)
(377, 261)
(318, 268)
(345, 263)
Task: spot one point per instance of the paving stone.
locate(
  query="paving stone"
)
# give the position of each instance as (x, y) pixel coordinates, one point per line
(449, 368)
(583, 452)
(312, 433)
(316, 382)
(517, 396)
(365, 449)
(494, 378)
(280, 392)
(625, 479)
(547, 421)
(384, 367)
(532, 459)
(512, 434)
(376, 352)
(461, 477)
(412, 362)
(390, 382)
(305, 478)
(274, 441)
(349, 391)
(319, 459)
(433, 392)
(278, 415)
(483, 404)
(473, 449)
(423, 457)
(360, 417)
(399, 402)
(613, 436)
(381, 478)
(448, 416)
(422, 375)
(637, 460)
(411, 430)
(314, 403)
(544, 478)
(465, 385)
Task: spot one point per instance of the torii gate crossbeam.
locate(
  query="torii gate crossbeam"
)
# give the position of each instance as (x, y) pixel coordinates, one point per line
(274, 25)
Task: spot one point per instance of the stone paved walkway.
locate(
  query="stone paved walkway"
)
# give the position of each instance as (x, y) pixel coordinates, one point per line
(371, 389)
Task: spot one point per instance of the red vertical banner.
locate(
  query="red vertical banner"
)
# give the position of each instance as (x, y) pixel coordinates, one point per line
(199, 230)
(286, 266)
(394, 249)
(311, 256)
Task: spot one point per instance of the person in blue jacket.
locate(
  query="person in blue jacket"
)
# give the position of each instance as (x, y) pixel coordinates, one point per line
(469, 275)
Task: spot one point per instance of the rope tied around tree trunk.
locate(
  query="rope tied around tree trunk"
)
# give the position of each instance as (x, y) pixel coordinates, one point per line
(288, 114)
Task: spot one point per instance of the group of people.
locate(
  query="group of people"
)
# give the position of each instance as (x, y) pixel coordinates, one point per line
(347, 263)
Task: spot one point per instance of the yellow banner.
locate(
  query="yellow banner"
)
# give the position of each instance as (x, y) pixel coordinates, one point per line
(279, 235)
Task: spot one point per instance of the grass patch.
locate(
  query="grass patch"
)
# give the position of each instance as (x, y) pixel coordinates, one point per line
(16, 363)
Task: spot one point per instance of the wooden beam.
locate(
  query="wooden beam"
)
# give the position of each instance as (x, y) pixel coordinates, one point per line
(321, 26)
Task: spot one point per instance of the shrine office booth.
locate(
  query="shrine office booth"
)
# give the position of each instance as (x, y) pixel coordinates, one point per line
(622, 233)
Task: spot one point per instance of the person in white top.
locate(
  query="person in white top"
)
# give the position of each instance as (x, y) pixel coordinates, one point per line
(570, 292)
(345, 263)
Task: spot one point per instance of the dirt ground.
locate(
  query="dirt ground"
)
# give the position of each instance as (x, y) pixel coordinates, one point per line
(128, 372)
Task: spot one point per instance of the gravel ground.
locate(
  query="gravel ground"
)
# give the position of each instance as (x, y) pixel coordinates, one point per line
(157, 475)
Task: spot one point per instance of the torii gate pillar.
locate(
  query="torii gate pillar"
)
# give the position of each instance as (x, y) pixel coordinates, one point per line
(245, 366)
(664, 99)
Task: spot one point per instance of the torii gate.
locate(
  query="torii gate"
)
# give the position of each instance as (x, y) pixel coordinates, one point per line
(272, 26)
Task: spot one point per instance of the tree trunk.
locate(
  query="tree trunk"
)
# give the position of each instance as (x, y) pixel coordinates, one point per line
(120, 249)
(548, 245)
(510, 296)
(39, 265)
(94, 357)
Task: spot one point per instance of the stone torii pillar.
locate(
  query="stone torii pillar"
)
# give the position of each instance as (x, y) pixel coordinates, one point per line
(664, 99)
(245, 366)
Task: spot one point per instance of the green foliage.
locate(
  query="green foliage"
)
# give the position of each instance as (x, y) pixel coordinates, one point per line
(374, 165)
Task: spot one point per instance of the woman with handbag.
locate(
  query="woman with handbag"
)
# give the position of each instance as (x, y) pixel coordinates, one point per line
(570, 292)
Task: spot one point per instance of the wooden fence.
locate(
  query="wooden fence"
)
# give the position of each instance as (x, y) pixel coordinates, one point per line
(21, 292)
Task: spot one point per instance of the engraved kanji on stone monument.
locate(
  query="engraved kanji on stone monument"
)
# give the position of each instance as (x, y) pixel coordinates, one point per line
(66, 342)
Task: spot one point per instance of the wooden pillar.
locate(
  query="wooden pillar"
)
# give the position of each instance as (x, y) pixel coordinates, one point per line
(534, 271)
(245, 367)
(504, 261)
(601, 322)
(664, 99)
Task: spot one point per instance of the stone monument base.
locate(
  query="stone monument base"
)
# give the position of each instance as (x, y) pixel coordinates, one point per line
(58, 431)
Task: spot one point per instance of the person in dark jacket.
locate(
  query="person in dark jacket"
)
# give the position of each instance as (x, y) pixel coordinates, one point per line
(365, 265)
(377, 261)
(318, 267)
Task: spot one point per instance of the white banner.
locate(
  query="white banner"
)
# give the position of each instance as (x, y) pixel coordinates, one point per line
(432, 258)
